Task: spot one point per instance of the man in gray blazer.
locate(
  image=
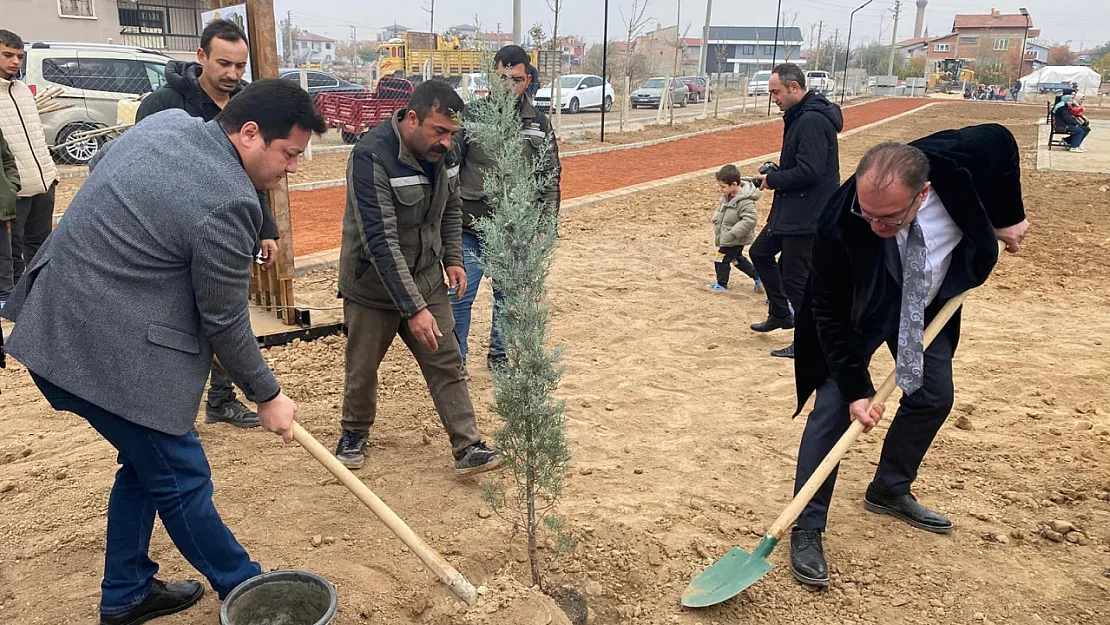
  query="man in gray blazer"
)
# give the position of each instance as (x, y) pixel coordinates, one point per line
(123, 308)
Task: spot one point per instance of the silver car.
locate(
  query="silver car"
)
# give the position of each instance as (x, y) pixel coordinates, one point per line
(94, 78)
(651, 93)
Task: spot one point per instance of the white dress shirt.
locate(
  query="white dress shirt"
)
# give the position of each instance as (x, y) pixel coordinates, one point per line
(942, 235)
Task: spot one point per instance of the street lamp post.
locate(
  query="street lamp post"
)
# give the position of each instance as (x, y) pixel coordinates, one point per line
(775, 50)
(1024, 40)
(848, 52)
(604, 66)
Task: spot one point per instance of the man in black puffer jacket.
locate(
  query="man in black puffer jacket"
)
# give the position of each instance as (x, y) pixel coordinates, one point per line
(202, 90)
(808, 175)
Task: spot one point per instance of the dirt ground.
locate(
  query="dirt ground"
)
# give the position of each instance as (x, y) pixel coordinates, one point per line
(682, 440)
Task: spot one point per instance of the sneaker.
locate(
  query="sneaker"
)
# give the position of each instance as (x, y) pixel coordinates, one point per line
(164, 599)
(477, 458)
(231, 412)
(1077, 150)
(716, 287)
(758, 283)
(351, 449)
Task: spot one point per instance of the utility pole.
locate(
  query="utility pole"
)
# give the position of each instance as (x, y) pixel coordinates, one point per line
(704, 56)
(817, 62)
(516, 23)
(894, 37)
(290, 45)
(835, 49)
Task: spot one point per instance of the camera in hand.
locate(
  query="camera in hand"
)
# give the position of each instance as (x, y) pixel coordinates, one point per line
(768, 168)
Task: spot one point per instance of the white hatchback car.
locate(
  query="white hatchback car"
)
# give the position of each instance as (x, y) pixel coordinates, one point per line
(580, 91)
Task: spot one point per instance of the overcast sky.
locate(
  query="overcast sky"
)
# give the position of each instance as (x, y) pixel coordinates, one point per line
(1084, 24)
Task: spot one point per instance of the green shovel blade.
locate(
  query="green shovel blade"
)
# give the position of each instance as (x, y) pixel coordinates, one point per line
(730, 575)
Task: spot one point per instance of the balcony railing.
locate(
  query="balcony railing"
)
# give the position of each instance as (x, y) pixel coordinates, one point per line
(173, 25)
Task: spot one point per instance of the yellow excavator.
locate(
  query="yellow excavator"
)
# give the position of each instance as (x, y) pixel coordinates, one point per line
(952, 75)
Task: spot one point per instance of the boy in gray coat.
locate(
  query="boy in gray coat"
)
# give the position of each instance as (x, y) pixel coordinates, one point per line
(734, 226)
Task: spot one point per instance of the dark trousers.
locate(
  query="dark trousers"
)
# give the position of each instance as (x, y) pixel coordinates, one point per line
(220, 389)
(370, 332)
(785, 280)
(34, 219)
(911, 432)
(163, 474)
(7, 279)
(726, 256)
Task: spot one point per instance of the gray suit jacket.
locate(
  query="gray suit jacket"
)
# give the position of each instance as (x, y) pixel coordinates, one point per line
(146, 276)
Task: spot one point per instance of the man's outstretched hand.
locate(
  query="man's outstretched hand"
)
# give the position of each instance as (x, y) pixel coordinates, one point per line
(1013, 236)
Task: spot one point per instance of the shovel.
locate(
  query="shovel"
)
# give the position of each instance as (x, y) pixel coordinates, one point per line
(738, 569)
(430, 557)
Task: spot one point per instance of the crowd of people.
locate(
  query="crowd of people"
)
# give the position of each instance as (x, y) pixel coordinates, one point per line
(121, 312)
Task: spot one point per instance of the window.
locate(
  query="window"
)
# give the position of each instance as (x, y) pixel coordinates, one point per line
(156, 73)
(76, 8)
(748, 50)
(972, 40)
(768, 50)
(942, 47)
(317, 80)
(1001, 44)
(111, 75)
(593, 81)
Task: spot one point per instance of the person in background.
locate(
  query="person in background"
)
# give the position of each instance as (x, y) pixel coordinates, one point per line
(808, 175)
(734, 226)
(513, 65)
(1066, 120)
(402, 230)
(202, 89)
(9, 197)
(119, 317)
(22, 128)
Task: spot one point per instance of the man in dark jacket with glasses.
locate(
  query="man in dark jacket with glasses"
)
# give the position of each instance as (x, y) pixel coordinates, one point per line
(916, 225)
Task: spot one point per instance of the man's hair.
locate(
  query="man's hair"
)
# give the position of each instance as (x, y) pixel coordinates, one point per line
(276, 105)
(891, 161)
(511, 55)
(435, 94)
(788, 73)
(729, 174)
(220, 29)
(11, 40)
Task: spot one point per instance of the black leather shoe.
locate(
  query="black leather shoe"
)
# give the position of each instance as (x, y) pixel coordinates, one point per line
(774, 323)
(786, 352)
(164, 599)
(807, 558)
(906, 508)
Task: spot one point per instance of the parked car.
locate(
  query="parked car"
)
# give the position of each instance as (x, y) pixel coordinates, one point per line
(699, 87)
(321, 82)
(650, 94)
(472, 85)
(580, 91)
(758, 83)
(820, 81)
(94, 78)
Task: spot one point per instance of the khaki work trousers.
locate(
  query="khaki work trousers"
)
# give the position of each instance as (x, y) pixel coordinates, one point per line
(370, 332)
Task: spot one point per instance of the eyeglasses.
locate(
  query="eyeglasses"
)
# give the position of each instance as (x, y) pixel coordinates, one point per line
(857, 210)
(517, 79)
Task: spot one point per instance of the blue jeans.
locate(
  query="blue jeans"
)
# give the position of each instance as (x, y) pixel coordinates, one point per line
(461, 308)
(1078, 134)
(164, 474)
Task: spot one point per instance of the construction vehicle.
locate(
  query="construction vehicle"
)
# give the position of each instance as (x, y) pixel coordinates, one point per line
(952, 75)
(420, 56)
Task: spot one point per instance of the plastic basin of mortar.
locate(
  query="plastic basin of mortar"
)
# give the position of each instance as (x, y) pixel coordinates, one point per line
(281, 598)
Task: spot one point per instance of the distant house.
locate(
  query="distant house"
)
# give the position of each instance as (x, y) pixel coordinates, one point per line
(987, 39)
(910, 48)
(312, 48)
(465, 31)
(691, 53)
(749, 49)
(393, 32)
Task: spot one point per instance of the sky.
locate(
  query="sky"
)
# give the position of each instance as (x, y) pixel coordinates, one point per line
(1084, 24)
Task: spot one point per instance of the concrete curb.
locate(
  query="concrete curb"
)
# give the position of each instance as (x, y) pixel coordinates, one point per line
(327, 259)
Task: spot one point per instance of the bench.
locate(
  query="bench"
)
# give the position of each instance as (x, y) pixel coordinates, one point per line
(1056, 138)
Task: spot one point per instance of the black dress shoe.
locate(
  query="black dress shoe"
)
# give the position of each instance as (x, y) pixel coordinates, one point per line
(164, 599)
(786, 352)
(906, 508)
(774, 323)
(807, 558)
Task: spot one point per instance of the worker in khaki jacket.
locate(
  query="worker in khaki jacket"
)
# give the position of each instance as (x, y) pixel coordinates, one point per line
(22, 128)
(402, 229)
(512, 62)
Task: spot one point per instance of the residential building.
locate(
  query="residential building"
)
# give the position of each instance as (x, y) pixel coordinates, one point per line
(312, 48)
(910, 48)
(168, 26)
(749, 49)
(1036, 55)
(393, 32)
(988, 40)
(464, 31)
(691, 54)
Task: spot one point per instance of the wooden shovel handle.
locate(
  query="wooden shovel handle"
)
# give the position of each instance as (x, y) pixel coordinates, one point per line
(443, 569)
(788, 516)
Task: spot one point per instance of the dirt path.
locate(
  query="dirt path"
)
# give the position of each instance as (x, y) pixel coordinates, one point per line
(318, 215)
(682, 446)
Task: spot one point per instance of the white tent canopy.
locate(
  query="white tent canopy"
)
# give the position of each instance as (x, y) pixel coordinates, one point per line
(1087, 78)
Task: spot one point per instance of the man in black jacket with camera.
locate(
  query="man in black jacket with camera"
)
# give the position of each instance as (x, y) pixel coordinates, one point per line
(808, 175)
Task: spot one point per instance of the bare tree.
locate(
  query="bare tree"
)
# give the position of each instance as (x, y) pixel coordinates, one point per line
(556, 7)
(722, 54)
(793, 21)
(634, 24)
